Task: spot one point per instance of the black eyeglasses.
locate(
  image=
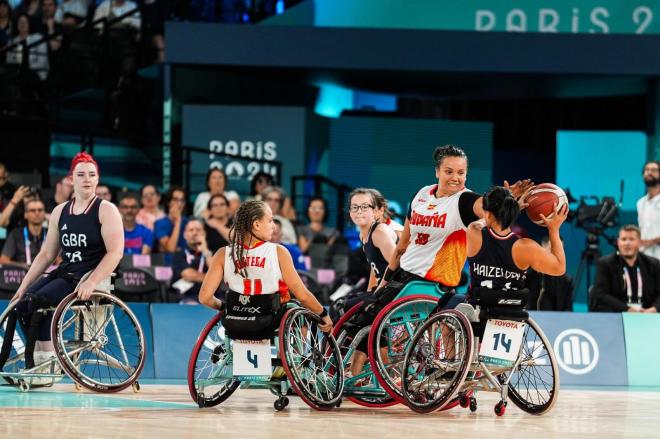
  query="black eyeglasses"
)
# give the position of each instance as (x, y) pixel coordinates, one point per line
(361, 207)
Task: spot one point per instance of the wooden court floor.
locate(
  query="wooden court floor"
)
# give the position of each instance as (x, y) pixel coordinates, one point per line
(166, 411)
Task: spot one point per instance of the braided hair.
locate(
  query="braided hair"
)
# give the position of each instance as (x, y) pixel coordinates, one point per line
(249, 212)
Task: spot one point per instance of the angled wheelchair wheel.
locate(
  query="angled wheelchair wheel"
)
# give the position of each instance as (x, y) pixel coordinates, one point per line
(98, 342)
(12, 358)
(210, 375)
(346, 342)
(437, 361)
(534, 384)
(311, 359)
(390, 337)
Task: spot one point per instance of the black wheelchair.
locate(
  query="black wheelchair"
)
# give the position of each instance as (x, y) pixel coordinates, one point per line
(494, 347)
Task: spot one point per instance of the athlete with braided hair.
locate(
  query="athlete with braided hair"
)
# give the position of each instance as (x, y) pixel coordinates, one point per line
(253, 266)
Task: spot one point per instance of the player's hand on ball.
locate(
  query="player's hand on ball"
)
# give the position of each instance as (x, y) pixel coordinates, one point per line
(554, 221)
(519, 188)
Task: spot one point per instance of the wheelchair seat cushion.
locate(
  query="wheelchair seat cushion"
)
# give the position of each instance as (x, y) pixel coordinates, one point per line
(250, 317)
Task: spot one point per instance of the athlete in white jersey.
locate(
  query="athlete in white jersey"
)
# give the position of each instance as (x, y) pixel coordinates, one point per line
(252, 266)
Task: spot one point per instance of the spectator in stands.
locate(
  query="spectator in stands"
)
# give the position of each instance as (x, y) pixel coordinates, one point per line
(30, 8)
(7, 188)
(294, 250)
(24, 243)
(110, 9)
(168, 231)
(151, 210)
(549, 293)
(104, 193)
(137, 238)
(648, 210)
(316, 232)
(13, 214)
(259, 183)
(37, 60)
(627, 280)
(63, 191)
(191, 262)
(5, 23)
(274, 196)
(72, 13)
(48, 26)
(218, 223)
(216, 183)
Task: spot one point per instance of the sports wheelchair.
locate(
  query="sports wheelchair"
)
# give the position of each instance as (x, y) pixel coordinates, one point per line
(98, 343)
(288, 354)
(494, 347)
(387, 339)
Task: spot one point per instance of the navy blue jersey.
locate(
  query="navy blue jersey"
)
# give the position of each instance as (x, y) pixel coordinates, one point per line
(374, 256)
(80, 238)
(493, 266)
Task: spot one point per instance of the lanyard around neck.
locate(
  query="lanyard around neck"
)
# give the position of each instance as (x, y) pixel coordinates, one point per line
(28, 251)
(627, 281)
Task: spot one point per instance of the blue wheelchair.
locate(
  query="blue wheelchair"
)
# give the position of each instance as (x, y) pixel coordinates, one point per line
(297, 359)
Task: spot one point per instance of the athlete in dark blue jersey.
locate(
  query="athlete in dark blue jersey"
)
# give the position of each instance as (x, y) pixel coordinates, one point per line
(87, 232)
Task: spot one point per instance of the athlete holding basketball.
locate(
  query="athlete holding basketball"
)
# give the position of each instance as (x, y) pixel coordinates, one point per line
(252, 266)
(89, 233)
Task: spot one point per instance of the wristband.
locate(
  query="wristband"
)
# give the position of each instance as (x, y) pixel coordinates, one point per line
(323, 314)
(388, 275)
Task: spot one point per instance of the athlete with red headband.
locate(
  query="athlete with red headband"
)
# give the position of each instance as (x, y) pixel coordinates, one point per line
(88, 233)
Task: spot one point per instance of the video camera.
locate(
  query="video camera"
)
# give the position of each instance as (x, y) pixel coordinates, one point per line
(593, 212)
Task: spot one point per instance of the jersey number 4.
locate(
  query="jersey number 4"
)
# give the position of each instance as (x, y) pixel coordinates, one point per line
(422, 239)
(248, 286)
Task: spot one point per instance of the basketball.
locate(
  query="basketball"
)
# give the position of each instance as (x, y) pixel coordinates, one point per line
(542, 200)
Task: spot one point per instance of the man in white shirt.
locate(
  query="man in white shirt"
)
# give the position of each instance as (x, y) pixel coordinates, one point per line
(648, 210)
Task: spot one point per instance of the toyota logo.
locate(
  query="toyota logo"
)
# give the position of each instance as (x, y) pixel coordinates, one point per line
(577, 351)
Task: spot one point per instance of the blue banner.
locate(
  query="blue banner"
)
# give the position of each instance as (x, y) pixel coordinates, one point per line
(589, 348)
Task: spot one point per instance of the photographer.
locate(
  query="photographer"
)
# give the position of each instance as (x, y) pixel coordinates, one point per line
(190, 264)
(627, 280)
(648, 210)
(13, 214)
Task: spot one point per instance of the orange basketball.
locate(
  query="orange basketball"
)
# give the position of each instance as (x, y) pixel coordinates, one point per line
(542, 200)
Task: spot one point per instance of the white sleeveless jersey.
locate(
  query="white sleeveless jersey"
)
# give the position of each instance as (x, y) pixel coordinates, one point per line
(263, 270)
(438, 242)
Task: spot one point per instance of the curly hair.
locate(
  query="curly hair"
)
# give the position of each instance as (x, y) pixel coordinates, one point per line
(249, 212)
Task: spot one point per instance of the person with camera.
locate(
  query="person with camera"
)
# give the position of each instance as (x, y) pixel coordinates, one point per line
(12, 216)
(648, 210)
(24, 243)
(628, 280)
(191, 264)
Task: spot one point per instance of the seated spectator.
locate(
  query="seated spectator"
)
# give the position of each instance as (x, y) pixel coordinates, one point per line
(216, 183)
(72, 13)
(37, 55)
(31, 9)
(13, 215)
(316, 231)
(296, 254)
(62, 194)
(24, 243)
(627, 280)
(274, 196)
(259, 183)
(7, 188)
(104, 193)
(218, 223)
(549, 293)
(151, 210)
(47, 26)
(191, 262)
(168, 231)
(137, 238)
(5, 24)
(114, 8)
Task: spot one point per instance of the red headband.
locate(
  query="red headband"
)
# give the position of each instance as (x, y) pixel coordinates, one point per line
(83, 157)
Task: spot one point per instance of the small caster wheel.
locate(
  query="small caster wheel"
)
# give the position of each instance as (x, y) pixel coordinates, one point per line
(136, 387)
(281, 403)
(500, 408)
(464, 401)
(338, 403)
(201, 400)
(473, 404)
(78, 387)
(23, 386)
